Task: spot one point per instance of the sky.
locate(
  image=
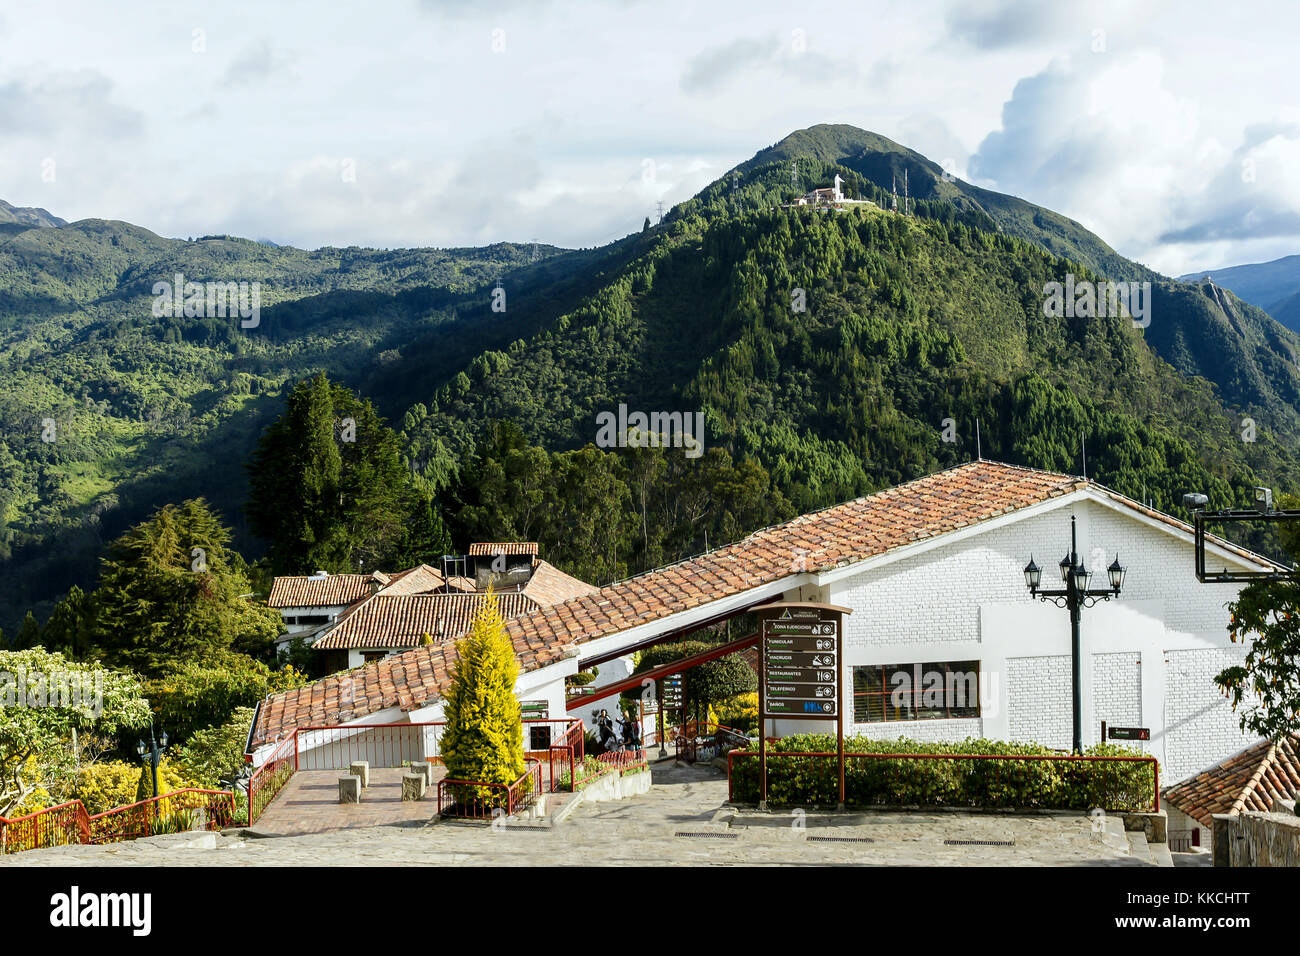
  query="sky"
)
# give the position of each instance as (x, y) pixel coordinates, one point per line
(1171, 129)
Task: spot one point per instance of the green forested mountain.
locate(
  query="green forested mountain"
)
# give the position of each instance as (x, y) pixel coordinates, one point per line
(909, 320)
(883, 163)
(1287, 312)
(148, 410)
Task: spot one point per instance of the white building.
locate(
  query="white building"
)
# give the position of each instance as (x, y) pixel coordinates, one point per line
(932, 571)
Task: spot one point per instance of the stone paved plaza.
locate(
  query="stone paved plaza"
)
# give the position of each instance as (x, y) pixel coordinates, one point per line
(680, 821)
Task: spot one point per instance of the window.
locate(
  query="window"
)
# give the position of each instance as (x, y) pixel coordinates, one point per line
(883, 692)
(369, 656)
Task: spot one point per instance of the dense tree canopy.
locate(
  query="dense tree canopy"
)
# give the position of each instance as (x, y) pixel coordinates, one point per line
(171, 591)
(328, 488)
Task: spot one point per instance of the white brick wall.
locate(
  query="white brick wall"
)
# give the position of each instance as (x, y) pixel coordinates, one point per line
(1040, 708)
(1197, 722)
(951, 731)
(1116, 694)
(1149, 657)
(934, 598)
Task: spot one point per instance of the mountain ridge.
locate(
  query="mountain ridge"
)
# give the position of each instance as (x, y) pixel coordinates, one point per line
(912, 318)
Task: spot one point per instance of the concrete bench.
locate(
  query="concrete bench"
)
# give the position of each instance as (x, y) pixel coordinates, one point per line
(424, 768)
(413, 785)
(349, 788)
(361, 768)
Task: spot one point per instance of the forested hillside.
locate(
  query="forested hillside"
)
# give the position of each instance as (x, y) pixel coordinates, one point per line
(913, 325)
(149, 410)
(909, 321)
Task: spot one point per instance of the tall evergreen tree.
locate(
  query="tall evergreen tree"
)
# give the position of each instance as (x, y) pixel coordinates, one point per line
(328, 488)
(29, 635)
(484, 736)
(69, 630)
(425, 539)
(171, 591)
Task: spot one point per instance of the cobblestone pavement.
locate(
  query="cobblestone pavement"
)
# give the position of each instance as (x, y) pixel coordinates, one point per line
(680, 821)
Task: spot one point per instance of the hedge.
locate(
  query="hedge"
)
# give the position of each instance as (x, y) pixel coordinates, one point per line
(1025, 784)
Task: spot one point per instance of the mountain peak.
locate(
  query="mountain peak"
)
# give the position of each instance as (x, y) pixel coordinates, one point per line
(892, 167)
(28, 216)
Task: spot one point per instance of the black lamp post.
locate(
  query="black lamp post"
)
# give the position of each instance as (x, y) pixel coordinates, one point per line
(1075, 596)
(154, 749)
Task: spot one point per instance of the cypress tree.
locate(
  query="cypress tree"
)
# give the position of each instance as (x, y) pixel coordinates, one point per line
(484, 736)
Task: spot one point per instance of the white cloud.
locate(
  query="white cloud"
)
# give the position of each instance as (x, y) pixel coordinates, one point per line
(66, 102)
(1102, 139)
(454, 144)
(257, 63)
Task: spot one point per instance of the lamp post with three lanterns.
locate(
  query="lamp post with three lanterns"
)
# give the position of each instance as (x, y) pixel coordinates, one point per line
(1075, 596)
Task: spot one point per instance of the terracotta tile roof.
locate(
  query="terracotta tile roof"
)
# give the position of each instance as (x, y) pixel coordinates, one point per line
(402, 620)
(919, 510)
(328, 591)
(420, 579)
(549, 585)
(479, 548)
(820, 541)
(1251, 780)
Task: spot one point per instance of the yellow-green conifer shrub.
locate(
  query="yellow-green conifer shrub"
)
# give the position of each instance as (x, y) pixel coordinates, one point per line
(484, 736)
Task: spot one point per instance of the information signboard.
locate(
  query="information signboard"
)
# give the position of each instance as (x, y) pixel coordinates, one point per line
(1130, 733)
(801, 663)
(799, 666)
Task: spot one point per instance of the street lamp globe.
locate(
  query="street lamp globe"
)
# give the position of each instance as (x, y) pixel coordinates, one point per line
(1081, 577)
(1033, 574)
(1116, 574)
(1065, 565)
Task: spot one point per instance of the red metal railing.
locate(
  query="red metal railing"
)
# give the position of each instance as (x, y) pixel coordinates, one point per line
(587, 770)
(775, 757)
(624, 760)
(567, 754)
(619, 761)
(53, 826)
(178, 812)
(270, 778)
(477, 799)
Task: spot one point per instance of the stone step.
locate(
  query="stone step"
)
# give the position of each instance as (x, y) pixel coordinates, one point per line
(1138, 847)
(1160, 854)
